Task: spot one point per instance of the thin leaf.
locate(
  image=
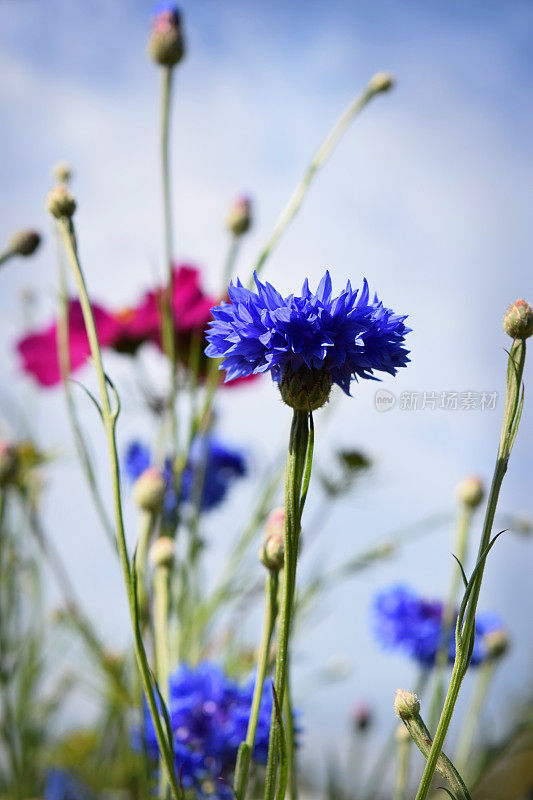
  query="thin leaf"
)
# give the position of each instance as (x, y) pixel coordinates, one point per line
(463, 573)
(283, 766)
(308, 462)
(92, 397)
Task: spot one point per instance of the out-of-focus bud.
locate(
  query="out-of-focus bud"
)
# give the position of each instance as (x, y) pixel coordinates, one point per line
(60, 203)
(239, 216)
(276, 521)
(166, 45)
(361, 717)
(471, 491)
(382, 81)
(496, 643)
(24, 243)
(149, 490)
(62, 172)
(518, 320)
(406, 704)
(401, 734)
(8, 463)
(272, 553)
(162, 552)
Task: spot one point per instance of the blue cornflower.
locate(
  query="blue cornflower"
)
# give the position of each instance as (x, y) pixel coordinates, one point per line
(403, 621)
(209, 718)
(60, 785)
(325, 338)
(211, 468)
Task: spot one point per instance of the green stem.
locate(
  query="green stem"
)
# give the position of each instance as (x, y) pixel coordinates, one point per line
(168, 322)
(472, 715)
(109, 420)
(421, 737)
(245, 752)
(290, 736)
(511, 419)
(63, 354)
(146, 526)
(6, 255)
(161, 642)
(296, 460)
(403, 750)
(448, 615)
(318, 161)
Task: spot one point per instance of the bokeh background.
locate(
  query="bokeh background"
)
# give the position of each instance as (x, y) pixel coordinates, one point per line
(428, 196)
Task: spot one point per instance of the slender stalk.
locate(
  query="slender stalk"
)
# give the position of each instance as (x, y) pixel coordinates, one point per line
(448, 615)
(290, 736)
(63, 353)
(318, 161)
(6, 255)
(511, 419)
(296, 461)
(168, 323)
(403, 750)
(245, 753)
(472, 715)
(146, 526)
(109, 419)
(161, 642)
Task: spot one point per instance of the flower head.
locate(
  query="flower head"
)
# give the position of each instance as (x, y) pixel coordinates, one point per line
(61, 785)
(165, 44)
(209, 716)
(338, 338)
(211, 469)
(405, 622)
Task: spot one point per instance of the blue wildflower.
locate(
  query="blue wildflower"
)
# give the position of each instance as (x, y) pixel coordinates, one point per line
(60, 785)
(211, 468)
(209, 718)
(345, 337)
(405, 622)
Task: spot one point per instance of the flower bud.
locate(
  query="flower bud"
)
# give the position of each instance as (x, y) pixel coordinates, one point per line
(406, 704)
(149, 490)
(305, 389)
(272, 553)
(518, 320)
(239, 217)
(361, 717)
(496, 643)
(162, 552)
(24, 243)
(8, 463)
(382, 81)
(62, 172)
(166, 45)
(276, 521)
(471, 491)
(60, 202)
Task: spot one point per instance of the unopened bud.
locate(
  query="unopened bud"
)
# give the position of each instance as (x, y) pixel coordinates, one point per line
(8, 463)
(60, 202)
(62, 172)
(470, 491)
(166, 45)
(24, 243)
(406, 704)
(272, 553)
(162, 552)
(276, 521)
(149, 490)
(361, 716)
(518, 320)
(305, 389)
(496, 643)
(382, 81)
(239, 217)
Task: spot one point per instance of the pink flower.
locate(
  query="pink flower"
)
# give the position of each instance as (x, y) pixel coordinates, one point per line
(39, 350)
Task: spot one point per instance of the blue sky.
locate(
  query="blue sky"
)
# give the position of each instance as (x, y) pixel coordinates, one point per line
(429, 196)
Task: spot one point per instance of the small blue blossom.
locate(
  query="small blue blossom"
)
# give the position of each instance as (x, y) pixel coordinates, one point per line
(350, 335)
(212, 467)
(209, 718)
(403, 621)
(60, 785)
